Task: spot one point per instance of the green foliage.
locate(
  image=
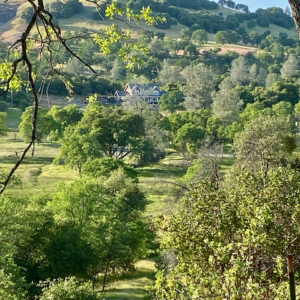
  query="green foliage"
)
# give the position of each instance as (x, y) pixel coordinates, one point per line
(66, 289)
(224, 37)
(233, 223)
(169, 74)
(108, 212)
(230, 131)
(291, 67)
(265, 141)
(171, 101)
(227, 104)
(188, 138)
(64, 117)
(3, 106)
(199, 37)
(3, 128)
(78, 145)
(118, 132)
(279, 91)
(201, 82)
(45, 124)
(104, 166)
(26, 13)
(66, 9)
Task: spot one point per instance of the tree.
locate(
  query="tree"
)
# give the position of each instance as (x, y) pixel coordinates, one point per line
(283, 109)
(160, 35)
(136, 105)
(200, 37)
(287, 11)
(222, 242)
(230, 4)
(45, 123)
(68, 288)
(252, 111)
(227, 104)
(3, 106)
(297, 113)
(26, 13)
(118, 71)
(239, 71)
(185, 34)
(169, 73)
(118, 132)
(3, 128)
(74, 67)
(108, 211)
(78, 145)
(266, 141)
(291, 67)
(279, 91)
(251, 24)
(201, 81)
(102, 167)
(224, 37)
(171, 102)
(102, 131)
(64, 117)
(188, 138)
(191, 50)
(271, 79)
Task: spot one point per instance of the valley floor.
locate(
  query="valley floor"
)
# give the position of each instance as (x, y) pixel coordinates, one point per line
(39, 175)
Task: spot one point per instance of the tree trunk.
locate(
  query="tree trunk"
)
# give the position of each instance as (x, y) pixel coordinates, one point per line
(105, 275)
(79, 170)
(94, 280)
(295, 6)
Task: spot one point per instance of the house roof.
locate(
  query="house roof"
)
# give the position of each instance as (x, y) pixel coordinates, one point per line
(150, 89)
(147, 86)
(120, 93)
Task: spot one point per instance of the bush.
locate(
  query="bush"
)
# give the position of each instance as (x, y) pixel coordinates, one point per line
(66, 289)
(26, 14)
(104, 166)
(251, 24)
(3, 106)
(65, 9)
(170, 21)
(263, 22)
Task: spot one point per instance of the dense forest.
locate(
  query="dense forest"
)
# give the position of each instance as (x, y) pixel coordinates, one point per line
(229, 120)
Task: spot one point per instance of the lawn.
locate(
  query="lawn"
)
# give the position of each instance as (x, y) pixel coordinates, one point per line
(131, 286)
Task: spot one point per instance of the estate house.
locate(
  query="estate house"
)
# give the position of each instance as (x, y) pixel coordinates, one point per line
(147, 92)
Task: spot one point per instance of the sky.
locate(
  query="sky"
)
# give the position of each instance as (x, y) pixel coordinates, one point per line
(255, 4)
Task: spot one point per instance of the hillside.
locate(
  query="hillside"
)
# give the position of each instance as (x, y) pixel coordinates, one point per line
(12, 27)
(275, 29)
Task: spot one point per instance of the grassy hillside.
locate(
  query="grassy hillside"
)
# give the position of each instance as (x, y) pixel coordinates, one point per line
(84, 20)
(260, 30)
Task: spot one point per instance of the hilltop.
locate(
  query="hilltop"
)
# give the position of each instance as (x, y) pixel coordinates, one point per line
(212, 19)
